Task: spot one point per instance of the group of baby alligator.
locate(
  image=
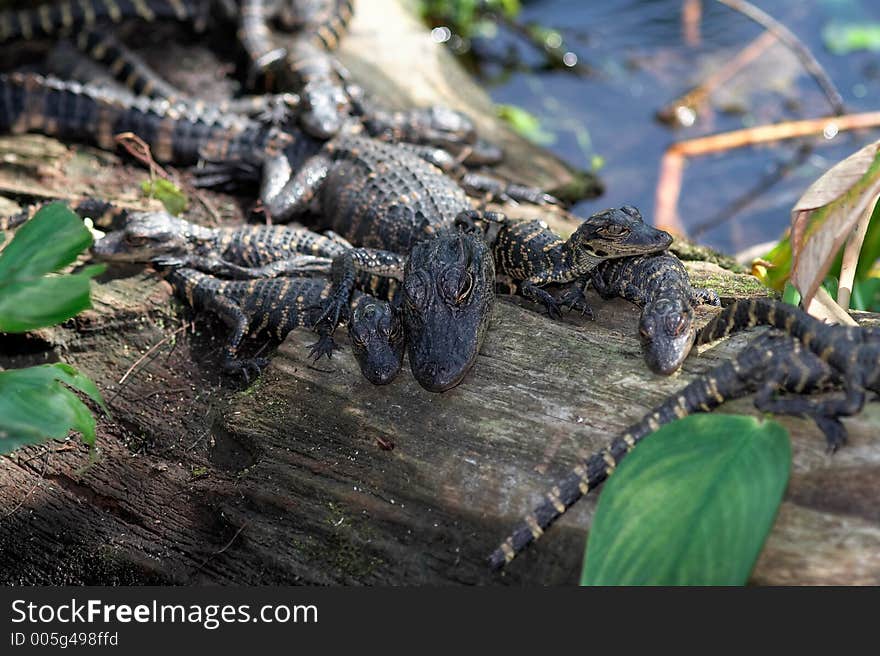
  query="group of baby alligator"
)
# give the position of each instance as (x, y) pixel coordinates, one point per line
(406, 260)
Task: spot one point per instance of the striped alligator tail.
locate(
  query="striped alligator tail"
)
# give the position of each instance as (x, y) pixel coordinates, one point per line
(175, 133)
(329, 28)
(64, 16)
(701, 395)
(761, 312)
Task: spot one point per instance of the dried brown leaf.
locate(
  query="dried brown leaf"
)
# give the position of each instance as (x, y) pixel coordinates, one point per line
(826, 215)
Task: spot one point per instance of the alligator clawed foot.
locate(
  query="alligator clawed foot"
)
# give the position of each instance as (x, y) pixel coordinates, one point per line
(248, 368)
(333, 312)
(553, 309)
(706, 297)
(835, 432)
(575, 299)
(324, 346)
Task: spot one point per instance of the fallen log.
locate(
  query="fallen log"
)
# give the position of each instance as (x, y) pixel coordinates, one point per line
(312, 475)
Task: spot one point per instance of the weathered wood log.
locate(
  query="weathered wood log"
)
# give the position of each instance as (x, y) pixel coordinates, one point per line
(312, 475)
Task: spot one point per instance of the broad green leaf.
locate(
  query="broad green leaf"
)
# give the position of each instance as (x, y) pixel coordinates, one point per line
(45, 301)
(826, 214)
(791, 295)
(691, 505)
(167, 193)
(29, 298)
(49, 241)
(37, 404)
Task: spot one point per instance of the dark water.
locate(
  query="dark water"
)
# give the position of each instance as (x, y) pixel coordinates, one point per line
(641, 62)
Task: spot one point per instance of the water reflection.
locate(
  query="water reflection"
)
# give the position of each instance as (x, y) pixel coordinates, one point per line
(640, 62)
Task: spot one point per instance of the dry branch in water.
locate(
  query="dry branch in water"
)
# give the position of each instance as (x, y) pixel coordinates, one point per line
(787, 38)
(672, 165)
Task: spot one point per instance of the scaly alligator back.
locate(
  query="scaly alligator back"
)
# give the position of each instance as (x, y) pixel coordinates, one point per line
(175, 133)
(379, 195)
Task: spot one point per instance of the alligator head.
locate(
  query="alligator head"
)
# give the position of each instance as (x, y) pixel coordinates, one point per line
(377, 339)
(449, 289)
(618, 233)
(148, 235)
(666, 329)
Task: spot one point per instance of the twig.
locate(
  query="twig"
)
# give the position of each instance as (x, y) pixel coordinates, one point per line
(745, 199)
(823, 307)
(787, 37)
(672, 163)
(228, 544)
(698, 95)
(851, 256)
(140, 150)
(46, 453)
(152, 349)
(691, 13)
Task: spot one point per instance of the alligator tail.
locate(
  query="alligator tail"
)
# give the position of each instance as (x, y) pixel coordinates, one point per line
(701, 395)
(757, 312)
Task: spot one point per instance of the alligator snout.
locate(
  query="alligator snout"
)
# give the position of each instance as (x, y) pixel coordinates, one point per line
(439, 377)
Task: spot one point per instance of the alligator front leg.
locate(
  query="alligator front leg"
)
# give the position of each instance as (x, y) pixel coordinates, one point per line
(479, 185)
(537, 295)
(238, 322)
(286, 193)
(345, 266)
(574, 298)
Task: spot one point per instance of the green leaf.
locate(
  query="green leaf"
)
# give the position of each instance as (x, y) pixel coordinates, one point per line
(791, 295)
(45, 301)
(866, 295)
(29, 298)
(49, 241)
(525, 124)
(168, 193)
(692, 505)
(37, 404)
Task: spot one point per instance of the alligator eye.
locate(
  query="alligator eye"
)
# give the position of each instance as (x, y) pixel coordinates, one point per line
(645, 332)
(678, 324)
(136, 240)
(358, 341)
(615, 231)
(467, 286)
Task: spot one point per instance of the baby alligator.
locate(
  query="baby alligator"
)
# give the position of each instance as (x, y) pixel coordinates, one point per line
(279, 305)
(852, 352)
(534, 256)
(660, 285)
(769, 364)
(249, 251)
